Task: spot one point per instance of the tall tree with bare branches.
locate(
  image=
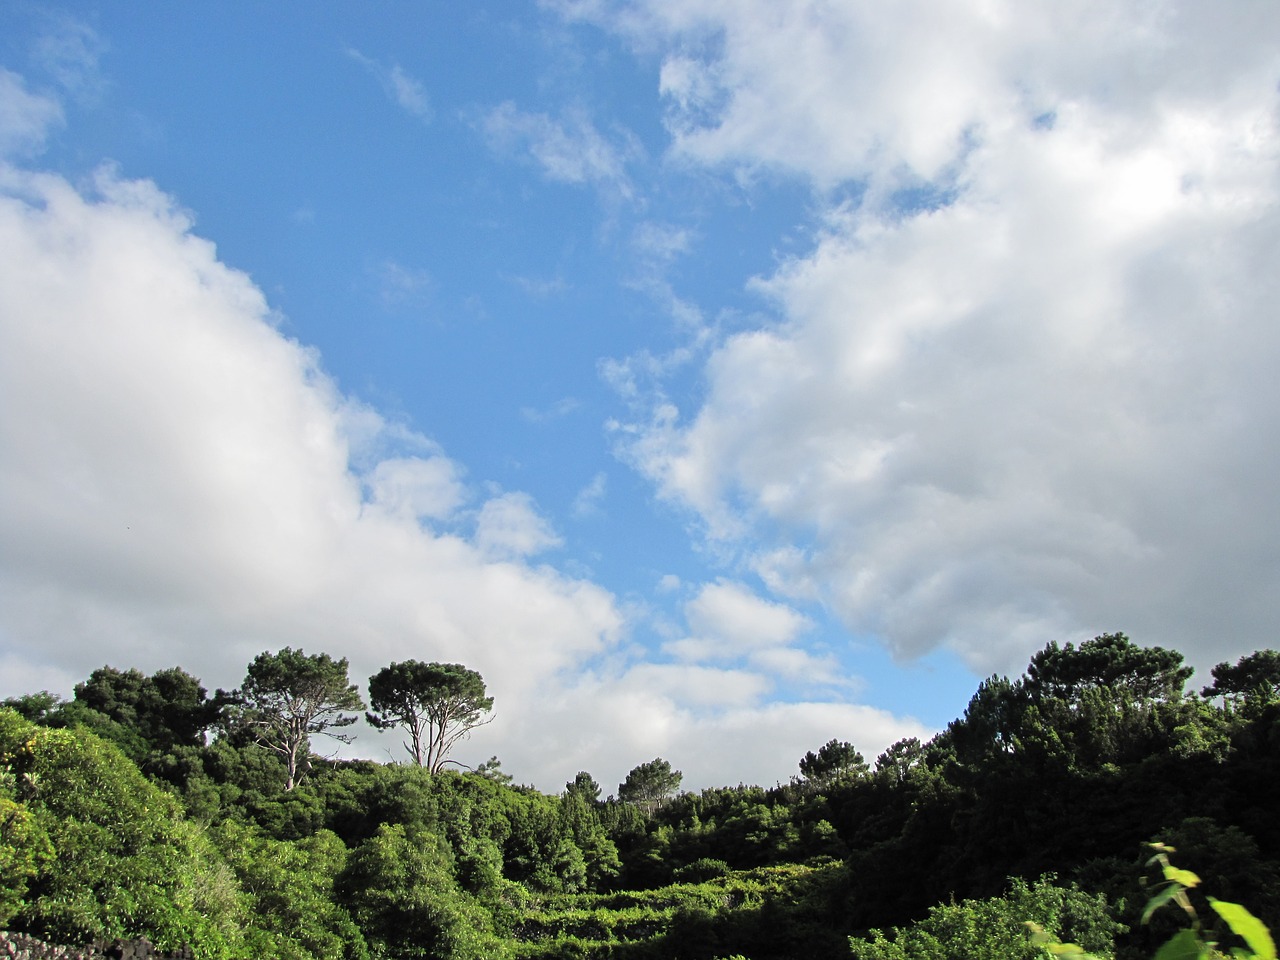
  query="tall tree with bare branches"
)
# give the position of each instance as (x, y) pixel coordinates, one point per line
(438, 703)
(289, 696)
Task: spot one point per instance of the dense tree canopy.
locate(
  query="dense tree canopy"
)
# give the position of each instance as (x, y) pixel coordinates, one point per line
(834, 760)
(167, 709)
(1254, 680)
(583, 786)
(400, 888)
(102, 851)
(1065, 770)
(1112, 661)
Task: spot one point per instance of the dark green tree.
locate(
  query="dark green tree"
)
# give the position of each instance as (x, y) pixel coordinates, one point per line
(438, 703)
(835, 760)
(900, 759)
(584, 787)
(36, 707)
(648, 784)
(1252, 682)
(992, 721)
(167, 709)
(491, 769)
(288, 697)
(1111, 660)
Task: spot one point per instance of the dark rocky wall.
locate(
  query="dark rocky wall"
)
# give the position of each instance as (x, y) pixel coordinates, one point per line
(19, 946)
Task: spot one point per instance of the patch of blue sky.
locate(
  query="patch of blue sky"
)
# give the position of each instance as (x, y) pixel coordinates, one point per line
(1045, 121)
(922, 198)
(934, 688)
(396, 188)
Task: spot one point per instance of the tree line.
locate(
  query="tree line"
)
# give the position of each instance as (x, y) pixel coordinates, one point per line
(145, 806)
(288, 698)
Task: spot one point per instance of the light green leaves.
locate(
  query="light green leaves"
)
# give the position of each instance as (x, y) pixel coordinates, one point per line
(1247, 927)
(1184, 945)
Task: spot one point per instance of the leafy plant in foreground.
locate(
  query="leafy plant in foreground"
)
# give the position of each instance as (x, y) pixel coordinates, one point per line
(1192, 942)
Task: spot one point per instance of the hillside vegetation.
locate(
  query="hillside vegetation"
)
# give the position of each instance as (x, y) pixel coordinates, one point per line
(147, 807)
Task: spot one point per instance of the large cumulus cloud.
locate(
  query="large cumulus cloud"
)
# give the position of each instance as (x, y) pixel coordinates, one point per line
(183, 483)
(180, 483)
(1018, 388)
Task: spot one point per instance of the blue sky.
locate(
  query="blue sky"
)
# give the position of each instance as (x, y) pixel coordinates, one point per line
(718, 379)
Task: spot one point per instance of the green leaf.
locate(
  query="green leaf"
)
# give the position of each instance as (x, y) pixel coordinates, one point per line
(1160, 898)
(1068, 951)
(1178, 875)
(1183, 945)
(1247, 927)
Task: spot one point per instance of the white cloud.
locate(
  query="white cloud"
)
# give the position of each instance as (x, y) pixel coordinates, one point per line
(509, 526)
(399, 285)
(858, 89)
(401, 87)
(728, 623)
(181, 484)
(660, 243)
(540, 288)
(1038, 409)
(69, 53)
(799, 666)
(569, 149)
(730, 615)
(721, 735)
(587, 502)
(428, 488)
(698, 686)
(561, 408)
(25, 117)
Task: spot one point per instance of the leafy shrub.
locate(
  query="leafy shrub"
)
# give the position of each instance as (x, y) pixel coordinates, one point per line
(995, 928)
(704, 868)
(126, 863)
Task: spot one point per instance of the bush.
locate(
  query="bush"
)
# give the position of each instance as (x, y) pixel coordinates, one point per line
(996, 928)
(704, 868)
(125, 862)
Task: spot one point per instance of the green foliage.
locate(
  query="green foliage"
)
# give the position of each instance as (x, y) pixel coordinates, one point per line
(900, 759)
(995, 928)
(36, 707)
(834, 760)
(437, 703)
(125, 861)
(650, 783)
(1112, 661)
(769, 913)
(1193, 942)
(78, 714)
(583, 786)
(491, 769)
(24, 851)
(704, 868)
(1251, 684)
(167, 709)
(400, 888)
(289, 886)
(288, 697)
(1061, 771)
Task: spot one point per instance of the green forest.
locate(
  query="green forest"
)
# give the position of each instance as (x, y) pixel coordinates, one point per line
(148, 806)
